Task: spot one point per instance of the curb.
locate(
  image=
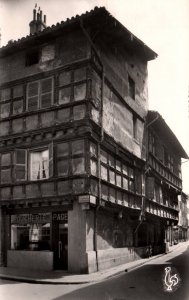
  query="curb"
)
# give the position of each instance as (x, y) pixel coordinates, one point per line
(42, 281)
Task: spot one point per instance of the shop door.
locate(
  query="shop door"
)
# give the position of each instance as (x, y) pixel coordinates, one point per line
(61, 247)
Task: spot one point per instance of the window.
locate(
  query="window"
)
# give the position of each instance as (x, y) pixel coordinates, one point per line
(20, 164)
(30, 232)
(131, 87)
(6, 167)
(70, 158)
(11, 101)
(39, 165)
(116, 173)
(135, 135)
(152, 144)
(72, 86)
(5, 105)
(32, 57)
(40, 94)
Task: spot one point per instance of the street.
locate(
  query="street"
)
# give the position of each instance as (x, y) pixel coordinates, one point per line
(149, 282)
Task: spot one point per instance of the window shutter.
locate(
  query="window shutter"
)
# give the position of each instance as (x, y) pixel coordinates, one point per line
(46, 92)
(33, 95)
(150, 187)
(20, 164)
(51, 168)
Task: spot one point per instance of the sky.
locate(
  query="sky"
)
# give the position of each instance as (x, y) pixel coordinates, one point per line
(163, 25)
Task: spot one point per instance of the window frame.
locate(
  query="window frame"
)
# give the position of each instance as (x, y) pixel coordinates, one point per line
(39, 94)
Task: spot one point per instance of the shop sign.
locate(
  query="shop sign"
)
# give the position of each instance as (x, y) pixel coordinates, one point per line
(87, 199)
(30, 218)
(60, 216)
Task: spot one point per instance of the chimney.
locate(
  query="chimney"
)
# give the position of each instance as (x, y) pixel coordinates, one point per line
(37, 24)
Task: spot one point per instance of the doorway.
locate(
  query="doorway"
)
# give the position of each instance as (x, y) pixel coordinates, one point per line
(60, 245)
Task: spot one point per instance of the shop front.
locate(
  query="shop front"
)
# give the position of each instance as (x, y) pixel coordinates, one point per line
(38, 241)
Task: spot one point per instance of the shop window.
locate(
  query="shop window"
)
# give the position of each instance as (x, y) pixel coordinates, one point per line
(39, 94)
(30, 232)
(131, 84)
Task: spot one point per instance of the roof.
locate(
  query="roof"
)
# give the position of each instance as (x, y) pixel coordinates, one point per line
(99, 18)
(156, 120)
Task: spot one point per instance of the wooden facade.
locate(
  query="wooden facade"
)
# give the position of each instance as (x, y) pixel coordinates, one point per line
(73, 146)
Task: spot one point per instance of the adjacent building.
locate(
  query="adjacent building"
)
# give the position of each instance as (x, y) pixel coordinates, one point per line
(163, 183)
(181, 231)
(74, 143)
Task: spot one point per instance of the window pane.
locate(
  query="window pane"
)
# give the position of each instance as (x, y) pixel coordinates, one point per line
(78, 165)
(20, 156)
(6, 176)
(63, 115)
(33, 103)
(80, 92)
(125, 170)
(46, 92)
(62, 149)
(62, 167)
(104, 173)
(39, 165)
(118, 180)
(118, 165)
(17, 91)
(125, 183)
(17, 107)
(20, 173)
(93, 165)
(5, 94)
(111, 161)
(64, 95)
(46, 85)
(5, 159)
(93, 149)
(80, 74)
(112, 177)
(78, 147)
(104, 156)
(46, 100)
(131, 173)
(65, 78)
(5, 110)
(33, 89)
(79, 112)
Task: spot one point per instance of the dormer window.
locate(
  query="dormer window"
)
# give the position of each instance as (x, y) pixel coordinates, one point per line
(32, 57)
(131, 84)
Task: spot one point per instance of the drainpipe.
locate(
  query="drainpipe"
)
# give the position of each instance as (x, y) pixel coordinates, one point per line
(101, 139)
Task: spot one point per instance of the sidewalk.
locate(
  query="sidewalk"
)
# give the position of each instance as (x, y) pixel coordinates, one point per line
(63, 277)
